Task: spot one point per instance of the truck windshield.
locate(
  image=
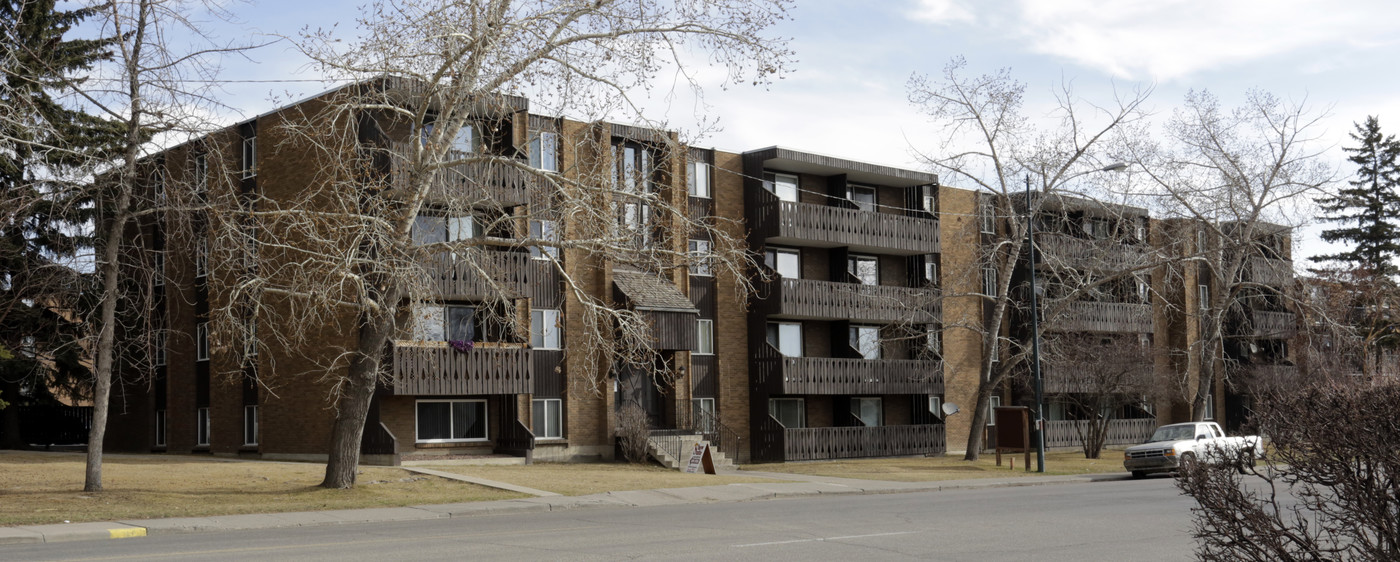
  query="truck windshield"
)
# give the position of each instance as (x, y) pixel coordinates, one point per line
(1173, 433)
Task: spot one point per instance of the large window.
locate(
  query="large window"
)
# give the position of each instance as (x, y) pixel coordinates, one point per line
(993, 403)
(869, 410)
(544, 230)
(791, 412)
(451, 420)
(201, 429)
(988, 214)
(250, 157)
(788, 263)
(1203, 295)
(782, 185)
(544, 150)
(862, 196)
(437, 322)
(635, 178)
(466, 140)
(698, 179)
(864, 269)
(989, 281)
(201, 341)
(544, 329)
(866, 341)
(700, 258)
(250, 425)
(786, 337)
(201, 173)
(549, 418)
(431, 229)
(704, 336)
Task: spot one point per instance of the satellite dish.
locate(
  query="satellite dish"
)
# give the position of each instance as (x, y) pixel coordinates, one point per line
(950, 408)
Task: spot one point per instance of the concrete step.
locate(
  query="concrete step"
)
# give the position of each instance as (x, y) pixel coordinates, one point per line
(663, 448)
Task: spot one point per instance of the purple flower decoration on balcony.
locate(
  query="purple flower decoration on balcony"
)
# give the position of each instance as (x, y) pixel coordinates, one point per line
(462, 346)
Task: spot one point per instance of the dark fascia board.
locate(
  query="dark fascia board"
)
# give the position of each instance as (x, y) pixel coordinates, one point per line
(787, 160)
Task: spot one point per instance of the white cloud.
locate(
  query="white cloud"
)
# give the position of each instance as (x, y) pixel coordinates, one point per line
(941, 11)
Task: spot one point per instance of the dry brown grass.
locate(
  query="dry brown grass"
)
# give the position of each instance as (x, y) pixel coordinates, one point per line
(926, 469)
(38, 488)
(577, 479)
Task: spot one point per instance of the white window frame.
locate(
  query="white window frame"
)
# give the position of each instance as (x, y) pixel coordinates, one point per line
(159, 344)
(250, 157)
(858, 403)
(159, 428)
(700, 406)
(855, 263)
(705, 336)
(861, 335)
(776, 329)
(485, 422)
(987, 210)
(250, 339)
(1210, 407)
(870, 207)
(931, 270)
(989, 281)
(201, 341)
(771, 259)
(201, 257)
(928, 199)
(700, 258)
(541, 229)
(201, 427)
(544, 150)
(801, 407)
(547, 406)
(933, 339)
(1203, 296)
(545, 332)
(698, 182)
(473, 138)
(201, 173)
(250, 425)
(993, 402)
(771, 181)
(935, 406)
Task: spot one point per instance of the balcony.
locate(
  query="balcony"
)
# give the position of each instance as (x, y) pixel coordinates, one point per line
(776, 443)
(492, 183)
(1115, 317)
(1061, 250)
(787, 222)
(1271, 325)
(831, 375)
(479, 275)
(1065, 433)
(1271, 272)
(434, 369)
(1067, 379)
(809, 300)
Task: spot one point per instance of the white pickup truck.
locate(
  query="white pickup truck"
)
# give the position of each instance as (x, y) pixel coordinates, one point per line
(1179, 443)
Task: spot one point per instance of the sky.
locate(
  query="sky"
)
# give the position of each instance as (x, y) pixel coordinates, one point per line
(846, 96)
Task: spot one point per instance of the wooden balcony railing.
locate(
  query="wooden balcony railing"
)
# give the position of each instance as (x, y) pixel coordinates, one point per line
(822, 443)
(830, 375)
(478, 274)
(434, 369)
(809, 299)
(1117, 317)
(1065, 433)
(1058, 250)
(1272, 325)
(1271, 272)
(1070, 378)
(838, 226)
(476, 184)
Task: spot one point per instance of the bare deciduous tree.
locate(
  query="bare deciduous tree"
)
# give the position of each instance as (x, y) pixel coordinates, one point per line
(1099, 380)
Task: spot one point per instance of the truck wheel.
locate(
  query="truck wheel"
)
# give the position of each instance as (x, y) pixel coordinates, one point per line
(1187, 459)
(1139, 475)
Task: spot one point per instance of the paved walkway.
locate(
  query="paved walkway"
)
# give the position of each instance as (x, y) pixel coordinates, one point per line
(795, 485)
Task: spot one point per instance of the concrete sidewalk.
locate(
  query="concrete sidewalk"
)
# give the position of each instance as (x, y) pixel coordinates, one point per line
(797, 485)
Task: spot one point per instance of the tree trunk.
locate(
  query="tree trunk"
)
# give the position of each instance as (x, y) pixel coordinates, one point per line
(979, 423)
(110, 269)
(353, 407)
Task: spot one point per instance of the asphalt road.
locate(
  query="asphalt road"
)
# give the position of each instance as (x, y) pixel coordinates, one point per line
(1108, 520)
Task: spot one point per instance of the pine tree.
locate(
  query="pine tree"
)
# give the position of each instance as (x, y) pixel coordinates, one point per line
(1366, 211)
(41, 141)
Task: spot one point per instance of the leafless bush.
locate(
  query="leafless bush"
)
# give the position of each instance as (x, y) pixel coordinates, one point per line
(1329, 492)
(633, 429)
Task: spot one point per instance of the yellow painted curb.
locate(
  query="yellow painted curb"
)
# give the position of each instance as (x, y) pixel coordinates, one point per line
(127, 533)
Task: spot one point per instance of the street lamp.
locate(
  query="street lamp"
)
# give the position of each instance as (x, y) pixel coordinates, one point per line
(1035, 324)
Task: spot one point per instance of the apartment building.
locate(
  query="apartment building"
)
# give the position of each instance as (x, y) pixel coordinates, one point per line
(843, 347)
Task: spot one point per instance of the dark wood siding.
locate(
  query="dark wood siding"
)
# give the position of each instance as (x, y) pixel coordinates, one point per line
(704, 376)
(549, 373)
(672, 330)
(702, 293)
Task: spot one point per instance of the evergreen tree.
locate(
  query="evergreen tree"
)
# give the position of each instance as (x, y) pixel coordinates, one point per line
(42, 141)
(1366, 211)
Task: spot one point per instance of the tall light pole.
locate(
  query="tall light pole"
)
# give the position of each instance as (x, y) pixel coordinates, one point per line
(1035, 323)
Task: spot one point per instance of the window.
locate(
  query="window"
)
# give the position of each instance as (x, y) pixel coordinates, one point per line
(201, 428)
(932, 340)
(788, 263)
(250, 157)
(159, 278)
(698, 174)
(201, 257)
(862, 196)
(548, 414)
(791, 412)
(635, 173)
(159, 347)
(465, 140)
(989, 281)
(866, 341)
(1200, 241)
(931, 269)
(928, 198)
(544, 329)
(1141, 231)
(992, 404)
(544, 230)
(436, 322)
(988, 213)
(160, 428)
(1203, 295)
(786, 337)
(704, 337)
(441, 421)
(865, 269)
(782, 185)
(1142, 289)
(1098, 228)
(250, 339)
(1210, 407)
(869, 410)
(158, 186)
(700, 258)
(544, 151)
(432, 229)
(201, 341)
(250, 425)
(201, 173)
(703, 410)
(935, 406)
